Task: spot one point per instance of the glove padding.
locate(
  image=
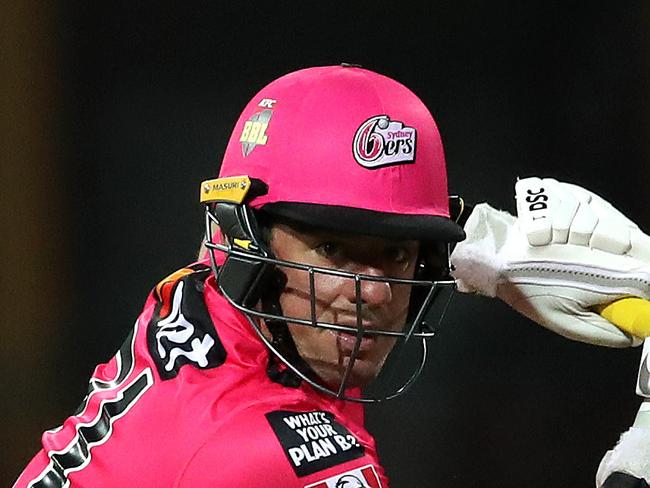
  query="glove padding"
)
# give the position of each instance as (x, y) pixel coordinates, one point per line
(631, 455)
(624, 480)
(568, 251)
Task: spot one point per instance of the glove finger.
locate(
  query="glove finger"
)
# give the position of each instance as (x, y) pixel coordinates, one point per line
(583, 225)
(534, 210)
(610, 235)
(564, 206)
(639, 245)
(601, 201)
(614, 232)
(585, 218)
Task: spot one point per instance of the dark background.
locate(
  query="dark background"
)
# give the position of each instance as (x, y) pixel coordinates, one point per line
(113, 112)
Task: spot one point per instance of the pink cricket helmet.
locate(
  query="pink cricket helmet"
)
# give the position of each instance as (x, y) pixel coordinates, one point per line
(347, 149)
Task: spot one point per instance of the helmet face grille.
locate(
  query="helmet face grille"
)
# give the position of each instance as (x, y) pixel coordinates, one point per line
(244, 276)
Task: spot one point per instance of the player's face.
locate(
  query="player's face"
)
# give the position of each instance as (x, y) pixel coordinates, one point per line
(384, 306)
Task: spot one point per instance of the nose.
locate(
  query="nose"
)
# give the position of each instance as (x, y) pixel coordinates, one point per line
(372, 293)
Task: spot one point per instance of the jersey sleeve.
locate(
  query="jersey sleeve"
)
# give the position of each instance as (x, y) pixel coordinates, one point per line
(255, 448)
(117, 436)
(114, 389)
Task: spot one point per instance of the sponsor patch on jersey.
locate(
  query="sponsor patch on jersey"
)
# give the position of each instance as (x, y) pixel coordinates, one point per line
(380, 141)
(364, 477)
(313, 441)
(181, 331)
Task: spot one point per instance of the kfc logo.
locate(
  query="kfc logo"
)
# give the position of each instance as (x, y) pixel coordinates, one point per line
(350, 481)
(267, 103)
(365, 477)
(380, 141)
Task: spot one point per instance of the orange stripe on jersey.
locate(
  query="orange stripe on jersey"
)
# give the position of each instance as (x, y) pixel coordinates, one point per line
(164, 289)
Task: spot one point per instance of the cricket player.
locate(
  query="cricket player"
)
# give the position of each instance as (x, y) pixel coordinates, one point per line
(326, 268)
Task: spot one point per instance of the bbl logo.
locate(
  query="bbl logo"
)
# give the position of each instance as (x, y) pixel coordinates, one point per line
(254, 132)
(380, 141)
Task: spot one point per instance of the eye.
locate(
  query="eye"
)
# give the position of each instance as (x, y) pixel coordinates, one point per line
(397, 254)
(328, 249)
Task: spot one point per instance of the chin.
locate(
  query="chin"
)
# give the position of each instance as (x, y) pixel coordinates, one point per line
(331, 371)
(362, 374)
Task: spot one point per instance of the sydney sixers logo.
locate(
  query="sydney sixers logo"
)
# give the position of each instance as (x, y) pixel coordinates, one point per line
(380, 141)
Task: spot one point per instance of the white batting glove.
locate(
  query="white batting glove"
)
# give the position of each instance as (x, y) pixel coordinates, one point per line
(631, 455)
(567, 251)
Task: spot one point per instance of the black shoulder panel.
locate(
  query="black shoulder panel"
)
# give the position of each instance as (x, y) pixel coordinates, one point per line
(181, 331)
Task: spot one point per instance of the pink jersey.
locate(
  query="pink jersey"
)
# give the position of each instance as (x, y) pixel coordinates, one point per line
(188, 401)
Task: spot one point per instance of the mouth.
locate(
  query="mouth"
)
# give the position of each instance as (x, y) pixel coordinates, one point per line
(346, 343)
